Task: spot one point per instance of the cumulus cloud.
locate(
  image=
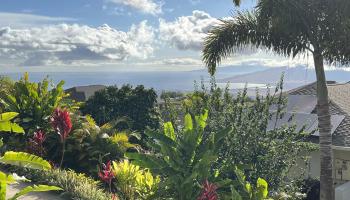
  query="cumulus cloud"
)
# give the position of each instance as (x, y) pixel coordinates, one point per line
(145, 6)
(66, 43)
(187, 32)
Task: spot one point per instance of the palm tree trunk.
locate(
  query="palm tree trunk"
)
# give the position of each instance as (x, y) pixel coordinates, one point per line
(324, 125)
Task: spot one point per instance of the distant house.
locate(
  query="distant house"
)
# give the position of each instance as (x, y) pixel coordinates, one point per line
(83, 93)
(302, 104)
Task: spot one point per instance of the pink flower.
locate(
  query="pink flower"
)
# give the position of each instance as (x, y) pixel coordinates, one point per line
(35, 144)
(208, 191)
(106, 174)
(61, 122)
(39, 137)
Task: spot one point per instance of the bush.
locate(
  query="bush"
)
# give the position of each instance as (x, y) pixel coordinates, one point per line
(76, 186)
(183, 158)
(138, 104)
(34, 102)
(266, 153)
(310, 187)
(6, 87)
(133, 182)
(88, 145)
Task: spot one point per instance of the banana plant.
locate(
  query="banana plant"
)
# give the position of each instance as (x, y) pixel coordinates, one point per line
(183, 157)
(242, 189)
(19, 159)
(34, 102)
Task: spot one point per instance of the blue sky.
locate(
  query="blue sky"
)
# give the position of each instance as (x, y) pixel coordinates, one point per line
(127, 35)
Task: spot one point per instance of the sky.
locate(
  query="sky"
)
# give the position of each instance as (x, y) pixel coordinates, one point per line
(112, 35)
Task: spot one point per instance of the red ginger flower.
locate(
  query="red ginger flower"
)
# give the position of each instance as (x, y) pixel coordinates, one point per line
(39, 137)
(106, 174)
(35, 144)
(208, 191)
(61, 122)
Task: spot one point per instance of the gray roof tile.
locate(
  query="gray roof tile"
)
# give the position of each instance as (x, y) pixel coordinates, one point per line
(339, 95)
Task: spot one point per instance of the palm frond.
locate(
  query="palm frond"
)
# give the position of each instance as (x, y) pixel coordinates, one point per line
(229, 37)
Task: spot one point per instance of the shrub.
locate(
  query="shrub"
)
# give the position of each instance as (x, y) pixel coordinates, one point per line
(34, 102)
(88, 145)
(76, 186)
(267, 153)
(183, 158)
(6, 87)
(19, 159)
(138, 104)
(133, 182)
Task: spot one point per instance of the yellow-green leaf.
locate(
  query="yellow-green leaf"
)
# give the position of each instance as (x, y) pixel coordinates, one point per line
(169, 130)
(188, 122)
(7, 116)
(262, 190)
(25, 159)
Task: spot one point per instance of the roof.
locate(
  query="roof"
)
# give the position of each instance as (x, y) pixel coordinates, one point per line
(83, 93)
(339, 105)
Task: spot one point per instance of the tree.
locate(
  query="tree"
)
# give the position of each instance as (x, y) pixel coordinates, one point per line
(137, 104)
(291, 28)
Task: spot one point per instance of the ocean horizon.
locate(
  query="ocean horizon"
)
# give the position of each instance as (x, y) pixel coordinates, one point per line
(159, 80)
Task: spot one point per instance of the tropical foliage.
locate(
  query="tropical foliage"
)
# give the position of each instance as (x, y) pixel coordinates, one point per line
(75, 185)
(20, 159)
(137, 104)
(34, 102)
(133, 182)
(184, 157)
(291, 28)
(205, 137)
(267, 151)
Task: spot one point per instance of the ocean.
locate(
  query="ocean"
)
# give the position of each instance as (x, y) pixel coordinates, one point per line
(159, 80)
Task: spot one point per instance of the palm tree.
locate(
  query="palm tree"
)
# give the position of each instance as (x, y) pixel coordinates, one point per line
(291, 28)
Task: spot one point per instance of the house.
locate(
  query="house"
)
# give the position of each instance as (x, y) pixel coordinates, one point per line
(301, 104)
(83, 93)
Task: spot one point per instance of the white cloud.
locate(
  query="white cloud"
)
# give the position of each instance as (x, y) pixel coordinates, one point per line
(145, 6)
(20, 20)
(187, 32)
(181, 61)
(66, 43)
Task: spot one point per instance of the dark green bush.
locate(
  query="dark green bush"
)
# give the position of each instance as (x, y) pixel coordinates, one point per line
(88, 145)
(137, 104)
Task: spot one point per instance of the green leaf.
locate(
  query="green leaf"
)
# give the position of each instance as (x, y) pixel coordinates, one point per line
(161, 138)
(25, 159)
(8, 179)
(261, 186)
(35, 188)
(145, 160)
(169, 130)
(201, 120)
(7, 116)
(248, 188)
(11, 127)
(3, 187)
(234, 194)
(188, 122)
